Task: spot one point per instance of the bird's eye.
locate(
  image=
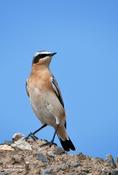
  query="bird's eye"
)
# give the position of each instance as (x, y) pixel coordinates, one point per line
(35, 60)
(42, 56)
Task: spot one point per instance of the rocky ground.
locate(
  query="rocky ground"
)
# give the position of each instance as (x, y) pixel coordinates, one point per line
(30, 158)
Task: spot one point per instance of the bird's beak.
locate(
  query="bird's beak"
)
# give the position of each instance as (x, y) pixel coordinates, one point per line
(52, 54)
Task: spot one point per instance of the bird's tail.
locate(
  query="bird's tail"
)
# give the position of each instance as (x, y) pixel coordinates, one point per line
(64, 139)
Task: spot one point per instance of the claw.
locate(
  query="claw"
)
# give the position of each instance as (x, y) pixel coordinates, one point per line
(32, 136)
(48, 144)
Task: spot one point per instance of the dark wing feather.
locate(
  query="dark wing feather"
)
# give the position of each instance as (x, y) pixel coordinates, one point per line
(57, 90)
(26, 88)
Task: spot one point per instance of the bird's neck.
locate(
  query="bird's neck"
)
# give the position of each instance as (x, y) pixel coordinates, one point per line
(40, 69)
(37, 67)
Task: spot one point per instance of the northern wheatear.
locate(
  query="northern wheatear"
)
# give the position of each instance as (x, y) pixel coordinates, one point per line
(46, 98)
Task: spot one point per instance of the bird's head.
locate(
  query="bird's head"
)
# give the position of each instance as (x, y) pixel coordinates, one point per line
(43, 57)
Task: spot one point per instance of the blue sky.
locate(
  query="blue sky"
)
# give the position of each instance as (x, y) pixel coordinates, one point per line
(85, 36)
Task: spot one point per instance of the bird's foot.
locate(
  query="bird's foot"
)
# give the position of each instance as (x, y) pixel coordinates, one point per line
(31, 135)
(48, 143)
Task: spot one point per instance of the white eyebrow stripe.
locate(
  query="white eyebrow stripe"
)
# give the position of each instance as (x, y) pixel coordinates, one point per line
(41, 52)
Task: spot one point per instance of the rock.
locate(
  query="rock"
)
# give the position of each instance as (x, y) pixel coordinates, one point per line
(22, 145)
(17, 136)
(73, 174)
(117, 162)
(1, 162)
(46, 160)
(114, 172)
(4, 173)
(59, 151)
(51, 154)
(6, 148)
(75, 164)
(17, 159)
(64, 166)
(42, 157)
(27, 167)
(110, 160)
(105, 173)
(46, 172)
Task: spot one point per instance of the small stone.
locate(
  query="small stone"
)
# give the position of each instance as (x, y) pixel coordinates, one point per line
(46, 172)
(59, 151)
(17, 136)
(76, 164)
(17, 159)
(51, 154)
(64, 166)
(27, 166)
(110, 160)
(117, 162)
(1, 163)
(114, 172)
(3, 173)
(22, 144)
(105, 173)
(117, 159)
(41, 142)
(6, 148)
(42, 157)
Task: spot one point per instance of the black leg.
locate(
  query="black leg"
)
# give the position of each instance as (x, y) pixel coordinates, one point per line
(52, 141)
(32, 134)
(39, 129)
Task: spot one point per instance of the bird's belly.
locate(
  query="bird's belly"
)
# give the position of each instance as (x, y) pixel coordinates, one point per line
(41, 107)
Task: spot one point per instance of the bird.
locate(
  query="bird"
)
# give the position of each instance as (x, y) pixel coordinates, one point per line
(46, 98)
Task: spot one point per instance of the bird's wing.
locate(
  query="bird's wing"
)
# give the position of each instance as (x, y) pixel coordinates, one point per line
(57, 90)
(26, 87)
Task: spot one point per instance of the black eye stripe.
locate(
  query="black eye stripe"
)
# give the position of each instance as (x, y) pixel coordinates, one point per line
(43, 55)
(35, 60)
(38, 57)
